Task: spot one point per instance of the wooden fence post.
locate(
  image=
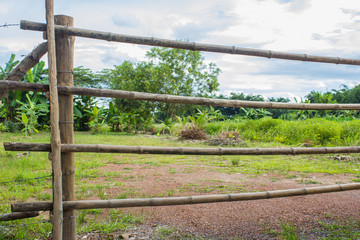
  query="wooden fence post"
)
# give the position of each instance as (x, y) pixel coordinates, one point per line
(55, 156)
(65, 62)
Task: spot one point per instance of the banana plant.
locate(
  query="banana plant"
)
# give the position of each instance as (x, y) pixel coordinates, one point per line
(9, 66)
(97, 118)
(201, 118)
(28, 113)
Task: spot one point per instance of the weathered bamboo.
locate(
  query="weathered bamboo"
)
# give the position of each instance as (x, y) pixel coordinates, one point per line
(152, 202)
(18, 215)
(65, 61)
(28, 25)
(55, 156)
(25, 65)
(9, 85)
(99, 148)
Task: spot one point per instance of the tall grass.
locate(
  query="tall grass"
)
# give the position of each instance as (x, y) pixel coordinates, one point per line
(314, 132)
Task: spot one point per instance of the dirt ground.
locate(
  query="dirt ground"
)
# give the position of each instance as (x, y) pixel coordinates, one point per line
(232, 220)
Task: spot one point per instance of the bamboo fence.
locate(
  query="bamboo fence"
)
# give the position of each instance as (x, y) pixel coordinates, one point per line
(170, 201)
(99, 148)
(113, 37)
(10, 85)
(66, 148)
(55, 154)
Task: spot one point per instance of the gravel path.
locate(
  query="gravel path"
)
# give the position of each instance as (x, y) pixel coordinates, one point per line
(233, 220)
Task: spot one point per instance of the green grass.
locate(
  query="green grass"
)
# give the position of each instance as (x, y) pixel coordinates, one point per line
(91, 166)
(339, 230)
(316, 132)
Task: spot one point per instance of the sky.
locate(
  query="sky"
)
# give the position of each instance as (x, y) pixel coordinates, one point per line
(316, 27)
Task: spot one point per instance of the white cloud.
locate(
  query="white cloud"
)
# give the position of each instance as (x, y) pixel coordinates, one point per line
(306, 26)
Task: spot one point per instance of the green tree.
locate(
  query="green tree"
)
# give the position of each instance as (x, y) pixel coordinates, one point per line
(168, 71)
(132, 77)
(347, 95)
(183, 73)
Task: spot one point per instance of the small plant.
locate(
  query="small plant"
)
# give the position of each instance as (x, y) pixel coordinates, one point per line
(29, 113)
(340, 230)
(100, 192)
(235, 161)
(97, 118)
(82, 216)
(290, 231)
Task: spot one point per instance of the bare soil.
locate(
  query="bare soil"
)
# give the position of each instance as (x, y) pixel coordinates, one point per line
(233, 220)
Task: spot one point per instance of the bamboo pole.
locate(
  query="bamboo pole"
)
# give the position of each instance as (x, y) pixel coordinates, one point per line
(18, 215)
(9, 85)
(65, 61)
(193, 46)
(25, 65)
(55, 155)
(169, 201)
(100, 148)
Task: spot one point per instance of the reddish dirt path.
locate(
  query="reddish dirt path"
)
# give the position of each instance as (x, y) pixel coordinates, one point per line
(233, 220)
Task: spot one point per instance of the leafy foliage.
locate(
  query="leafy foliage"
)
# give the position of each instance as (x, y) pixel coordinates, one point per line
(168, 71)
(28, 113)
(21, 101)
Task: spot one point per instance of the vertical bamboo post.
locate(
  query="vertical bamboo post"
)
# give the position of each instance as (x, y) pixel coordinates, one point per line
(55, 131)
(65, 62)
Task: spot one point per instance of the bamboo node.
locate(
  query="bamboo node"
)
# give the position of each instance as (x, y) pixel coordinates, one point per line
(270, 105)
(267, 194)
(341, 188)
(140, 150)
(233, 50)
(194, 46)
(221, 151)
(270, 54)
(338, 60)
(292, 151)
(305, 57)
(109, 37)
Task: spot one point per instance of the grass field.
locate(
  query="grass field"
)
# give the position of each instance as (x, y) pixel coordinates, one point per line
(94, 177)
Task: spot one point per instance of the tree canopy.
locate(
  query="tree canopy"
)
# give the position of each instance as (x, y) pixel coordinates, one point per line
(167, 71)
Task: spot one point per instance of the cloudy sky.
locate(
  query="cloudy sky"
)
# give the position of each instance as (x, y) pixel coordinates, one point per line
(318, 27)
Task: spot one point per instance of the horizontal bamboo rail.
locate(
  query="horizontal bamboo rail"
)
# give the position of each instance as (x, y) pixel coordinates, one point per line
(28, 25)
(99, 148)
(152, 202)
(11, 85)
(18, 215)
